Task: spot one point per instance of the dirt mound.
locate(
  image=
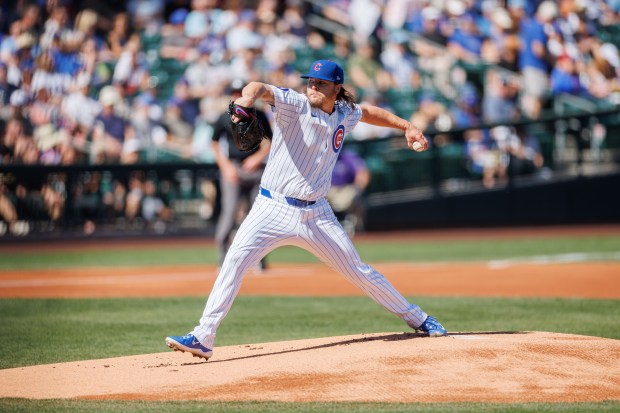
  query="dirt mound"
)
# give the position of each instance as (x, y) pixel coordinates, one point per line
(383, 367)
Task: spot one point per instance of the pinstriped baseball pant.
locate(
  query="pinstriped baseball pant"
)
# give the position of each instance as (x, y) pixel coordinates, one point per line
(271, 224)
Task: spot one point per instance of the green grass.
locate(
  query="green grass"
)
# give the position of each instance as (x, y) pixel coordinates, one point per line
(372, 251)
(39, 331)
(43, 406)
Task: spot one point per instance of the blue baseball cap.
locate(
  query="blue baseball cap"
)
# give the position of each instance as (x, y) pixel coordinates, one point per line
(326, 70)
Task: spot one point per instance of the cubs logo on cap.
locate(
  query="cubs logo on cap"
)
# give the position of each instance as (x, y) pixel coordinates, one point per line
(326, 70)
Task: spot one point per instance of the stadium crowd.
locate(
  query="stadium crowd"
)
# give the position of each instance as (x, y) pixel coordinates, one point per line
(91, 82)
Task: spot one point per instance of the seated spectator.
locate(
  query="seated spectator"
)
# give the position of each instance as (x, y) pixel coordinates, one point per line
(118, 36)
(525, 153)
(602, 74)
(182, 98)
(78, 109)
(147, 131)
(146, 14)
(399, 62)
(174, 43)
(179, 136)
(484, 158)
(364, 131)
(500, 103)
(465, 109)
(430, 21)
(501, 45)
(110, 129)
(206, 76)
(8, 212)
(564, 77)
(131, 70)
(431, 114)
(201, 150)
(153, 208)
(365, 71)
(465, 42)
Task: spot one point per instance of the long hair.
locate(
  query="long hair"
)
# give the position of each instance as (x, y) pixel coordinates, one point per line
(345, 97)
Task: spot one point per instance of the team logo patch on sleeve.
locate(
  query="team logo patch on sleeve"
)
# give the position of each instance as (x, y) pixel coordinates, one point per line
(338, 138)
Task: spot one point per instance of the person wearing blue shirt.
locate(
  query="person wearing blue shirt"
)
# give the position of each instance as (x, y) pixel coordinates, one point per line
(565, 79)
(532, 58)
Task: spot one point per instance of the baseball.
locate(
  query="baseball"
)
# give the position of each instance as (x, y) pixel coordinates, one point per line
(417, 146)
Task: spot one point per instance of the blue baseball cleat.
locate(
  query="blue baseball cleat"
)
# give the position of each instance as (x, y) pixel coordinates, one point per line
(190, 344)
(432, 327)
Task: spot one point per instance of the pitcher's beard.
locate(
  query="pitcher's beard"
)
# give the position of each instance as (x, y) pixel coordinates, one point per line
(316, 101)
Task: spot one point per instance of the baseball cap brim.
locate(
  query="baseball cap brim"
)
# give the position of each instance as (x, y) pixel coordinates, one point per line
(308, 76)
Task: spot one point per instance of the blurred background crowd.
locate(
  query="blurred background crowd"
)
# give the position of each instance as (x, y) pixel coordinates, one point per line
(143, 81)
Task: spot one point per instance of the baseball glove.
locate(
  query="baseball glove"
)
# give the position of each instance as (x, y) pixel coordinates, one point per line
(247, 131)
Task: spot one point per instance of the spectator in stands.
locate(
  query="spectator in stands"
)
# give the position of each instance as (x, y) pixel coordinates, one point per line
(55, 26)
(133, 200)
(431, 113)
(131, 71)
(13, 133)
(153, 208)
(484, 158)
(365, 131)
(78, 109)
(5, 92)
(66, 58)
(179, 131)
(293, 23)
(188, 105)
(146, 13)
(119, 35)
(201, 149)
(501, 45)
(8, 212)
(429, 27)
(602, 74)
(365, 70)
(149, 134)
(174, 43)
(533, 58)
(565, 78)
(465, 41)
(399, 63)
(350, 178)
(87, 201)
(500, 103)
(465, 110)
(9, 44)
(524, 151)
(205, 76)
(110, 129)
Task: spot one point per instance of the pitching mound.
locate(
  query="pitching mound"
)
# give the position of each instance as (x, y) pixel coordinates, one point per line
(385, 367)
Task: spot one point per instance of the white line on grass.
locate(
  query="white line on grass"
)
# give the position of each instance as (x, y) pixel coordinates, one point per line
(568, 258)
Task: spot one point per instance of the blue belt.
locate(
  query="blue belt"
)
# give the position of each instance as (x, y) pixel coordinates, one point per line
(300, 203)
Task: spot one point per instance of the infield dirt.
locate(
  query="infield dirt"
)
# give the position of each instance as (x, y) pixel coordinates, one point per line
(382, 367)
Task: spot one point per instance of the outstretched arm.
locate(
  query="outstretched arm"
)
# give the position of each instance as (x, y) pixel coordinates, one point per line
(254, 91)
(381, 117)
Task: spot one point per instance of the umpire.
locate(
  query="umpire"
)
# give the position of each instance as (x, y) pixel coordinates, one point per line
(240, 172)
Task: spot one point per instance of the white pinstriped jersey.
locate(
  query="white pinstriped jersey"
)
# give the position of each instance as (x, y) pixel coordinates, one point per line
(305, 145)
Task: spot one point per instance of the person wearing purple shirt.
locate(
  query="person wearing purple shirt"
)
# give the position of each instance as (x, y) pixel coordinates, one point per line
(350, 178)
